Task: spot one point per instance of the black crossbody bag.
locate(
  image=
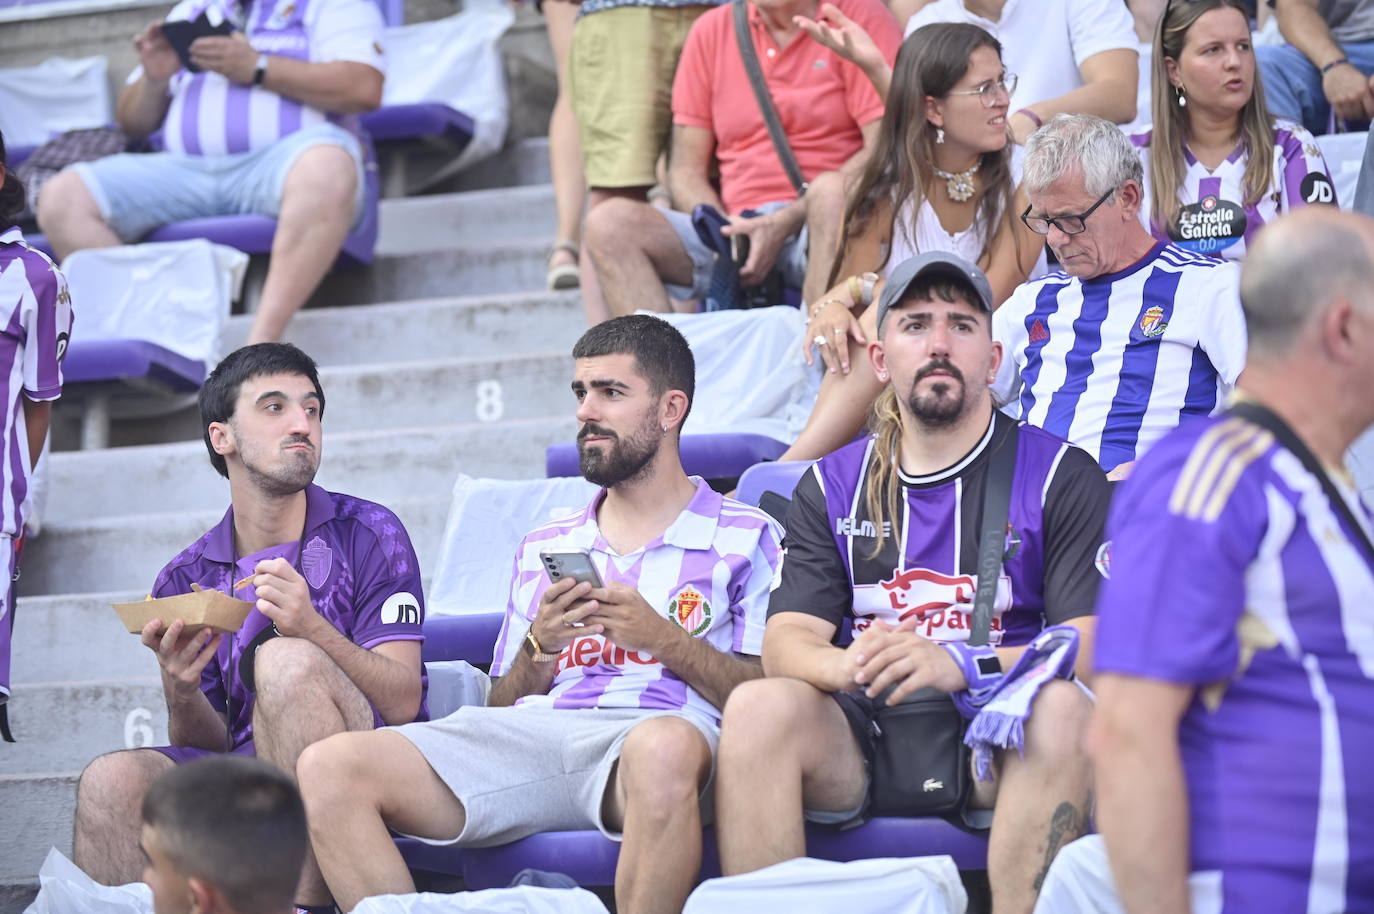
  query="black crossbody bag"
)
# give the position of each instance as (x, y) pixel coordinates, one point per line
(921, 766)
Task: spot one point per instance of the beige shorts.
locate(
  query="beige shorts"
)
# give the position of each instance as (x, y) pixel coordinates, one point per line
(620, 74)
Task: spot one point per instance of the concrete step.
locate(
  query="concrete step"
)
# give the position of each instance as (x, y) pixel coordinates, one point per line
(443, 220)
(38, 816)
(512, 265)
(17, 893)
(126, 553)
(63, 725)
(398, 395)
(454, 327)
(381, 466)
(524, 163)
(68, 636)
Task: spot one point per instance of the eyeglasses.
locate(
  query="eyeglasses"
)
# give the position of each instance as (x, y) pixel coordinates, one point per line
(987, 92)
(1069, 224)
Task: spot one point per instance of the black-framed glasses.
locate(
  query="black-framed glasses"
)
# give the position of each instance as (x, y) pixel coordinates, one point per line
(1069, 224)
(987, 92)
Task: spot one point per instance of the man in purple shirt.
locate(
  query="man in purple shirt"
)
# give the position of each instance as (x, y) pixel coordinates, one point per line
(332, 643)
(1235, 720)
(884, 533)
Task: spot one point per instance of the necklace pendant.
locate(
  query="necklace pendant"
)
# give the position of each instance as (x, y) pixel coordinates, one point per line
(960, 188)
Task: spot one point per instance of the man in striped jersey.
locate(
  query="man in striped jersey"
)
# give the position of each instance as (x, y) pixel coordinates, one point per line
(616, 690)
(1132, 335)
(884, 533)
(261, 120)
(34, 295)
(1235, 655)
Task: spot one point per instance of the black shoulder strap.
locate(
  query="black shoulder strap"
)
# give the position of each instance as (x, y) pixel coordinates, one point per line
(770, 114)
(992, 539)
(1265, 418)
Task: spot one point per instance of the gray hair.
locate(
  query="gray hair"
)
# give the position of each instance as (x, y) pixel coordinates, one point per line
(1096, 149)
(1290, 276)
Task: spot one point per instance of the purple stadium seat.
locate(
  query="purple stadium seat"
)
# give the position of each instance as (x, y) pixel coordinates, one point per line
(97, 371)
(778, 478)
(590, 858)
(420, 121)
(718, 456)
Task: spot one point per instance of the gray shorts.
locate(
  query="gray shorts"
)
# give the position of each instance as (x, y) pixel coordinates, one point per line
(791, 259)
(521, 771)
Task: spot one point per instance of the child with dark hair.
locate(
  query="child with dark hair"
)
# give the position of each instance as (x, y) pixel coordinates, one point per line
(223, 836)
(37, 314)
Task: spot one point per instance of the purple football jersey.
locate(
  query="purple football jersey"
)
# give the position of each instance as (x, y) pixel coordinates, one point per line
(363, 576)
(1232, 574)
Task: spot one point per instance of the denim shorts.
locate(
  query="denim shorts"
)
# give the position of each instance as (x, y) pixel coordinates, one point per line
(791, 259)
(137, 192)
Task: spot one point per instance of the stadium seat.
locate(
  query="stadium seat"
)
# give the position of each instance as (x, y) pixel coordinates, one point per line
(404, 133)
(715, 456)
(778, 478)
(590, 858)
(97, 371)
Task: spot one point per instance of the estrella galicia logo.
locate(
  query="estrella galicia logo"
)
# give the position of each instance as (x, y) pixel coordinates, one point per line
(1316, 188)
(1209, 225)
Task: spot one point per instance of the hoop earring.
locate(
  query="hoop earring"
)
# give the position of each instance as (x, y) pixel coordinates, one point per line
(1182, 101)
(939, 134)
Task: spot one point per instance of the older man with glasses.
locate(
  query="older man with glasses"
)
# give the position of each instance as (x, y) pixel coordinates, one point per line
(1132, 335)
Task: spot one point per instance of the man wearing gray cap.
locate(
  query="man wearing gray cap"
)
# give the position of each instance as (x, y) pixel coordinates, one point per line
(884, 535)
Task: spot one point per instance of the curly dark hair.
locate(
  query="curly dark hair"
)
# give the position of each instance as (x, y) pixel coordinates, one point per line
(11, 191)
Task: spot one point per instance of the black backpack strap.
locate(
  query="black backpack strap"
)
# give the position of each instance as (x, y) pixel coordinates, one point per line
(770, 113)
(993, 537)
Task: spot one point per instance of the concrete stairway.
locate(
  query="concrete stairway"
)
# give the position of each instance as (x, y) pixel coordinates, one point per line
(444, 358)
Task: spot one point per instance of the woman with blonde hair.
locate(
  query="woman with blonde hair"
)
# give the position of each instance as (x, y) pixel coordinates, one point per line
(1217, 165)
(941, 177)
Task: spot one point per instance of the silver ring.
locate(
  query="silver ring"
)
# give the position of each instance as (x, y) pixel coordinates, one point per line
(839, 330)
(818, 340)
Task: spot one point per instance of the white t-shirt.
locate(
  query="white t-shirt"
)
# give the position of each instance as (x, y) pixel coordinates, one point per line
(209, 115)
(1044, 42)
(925, 233)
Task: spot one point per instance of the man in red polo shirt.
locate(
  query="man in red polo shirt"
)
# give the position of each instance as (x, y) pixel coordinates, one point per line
(830, 113)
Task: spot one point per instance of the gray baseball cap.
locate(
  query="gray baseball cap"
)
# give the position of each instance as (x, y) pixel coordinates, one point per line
(928, 264)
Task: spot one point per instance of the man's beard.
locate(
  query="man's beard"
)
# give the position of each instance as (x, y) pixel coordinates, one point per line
(618, 460)
(288, 478)
(942, 406)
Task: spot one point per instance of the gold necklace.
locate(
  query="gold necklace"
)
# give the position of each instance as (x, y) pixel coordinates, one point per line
(959, 185)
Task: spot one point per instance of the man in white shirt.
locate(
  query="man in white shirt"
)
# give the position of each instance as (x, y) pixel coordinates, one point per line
(1071, 56)
(1133, 335)
(261, 121)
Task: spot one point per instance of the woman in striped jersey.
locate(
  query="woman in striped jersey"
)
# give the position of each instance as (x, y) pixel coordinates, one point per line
(1217, 166)
(942, 178)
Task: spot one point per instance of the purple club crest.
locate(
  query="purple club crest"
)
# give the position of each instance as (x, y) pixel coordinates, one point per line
(317, 561)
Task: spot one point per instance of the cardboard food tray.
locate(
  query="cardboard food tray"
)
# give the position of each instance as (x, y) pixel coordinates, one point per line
(198, 609)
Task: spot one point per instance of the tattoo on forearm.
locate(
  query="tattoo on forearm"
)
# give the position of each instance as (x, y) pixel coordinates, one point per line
(1065, 825)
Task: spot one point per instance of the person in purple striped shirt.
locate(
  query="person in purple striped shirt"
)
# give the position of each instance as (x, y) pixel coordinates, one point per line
(37, 310)
(260, 120)
(884, 534)
(606, 707)
(1217, 166)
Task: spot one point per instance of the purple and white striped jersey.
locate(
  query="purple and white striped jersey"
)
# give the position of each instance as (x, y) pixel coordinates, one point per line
(209, 115)
(1113, 362)
(709, 572)
(1054, 540)
(38, 323)
(1215, 218)
(1233, 575)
